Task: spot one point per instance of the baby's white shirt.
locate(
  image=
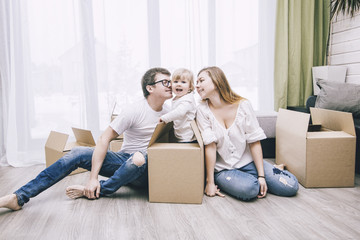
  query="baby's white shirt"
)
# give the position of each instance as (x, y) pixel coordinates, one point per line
(182, 113)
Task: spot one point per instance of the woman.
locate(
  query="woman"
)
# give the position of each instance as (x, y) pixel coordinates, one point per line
(232, 135)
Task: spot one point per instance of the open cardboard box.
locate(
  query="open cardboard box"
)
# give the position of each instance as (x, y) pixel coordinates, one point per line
(115, 144)
(57, 146)
(176, 170)
(319, 156)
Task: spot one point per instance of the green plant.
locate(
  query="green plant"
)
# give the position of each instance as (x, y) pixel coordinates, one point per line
(349, 7)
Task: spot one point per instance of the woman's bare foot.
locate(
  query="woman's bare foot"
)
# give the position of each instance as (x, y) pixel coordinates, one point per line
(9, 201)
(75, 191)
(280, 166)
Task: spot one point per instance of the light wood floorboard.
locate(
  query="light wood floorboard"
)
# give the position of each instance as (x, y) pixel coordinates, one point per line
(325, 213)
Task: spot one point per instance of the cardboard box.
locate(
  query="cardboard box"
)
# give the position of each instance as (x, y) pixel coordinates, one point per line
(113, 116)
(115, 145)
(176, 170)
(57, 146)
(323, 157)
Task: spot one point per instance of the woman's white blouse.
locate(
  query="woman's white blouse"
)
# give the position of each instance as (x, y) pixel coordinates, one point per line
(232, 143)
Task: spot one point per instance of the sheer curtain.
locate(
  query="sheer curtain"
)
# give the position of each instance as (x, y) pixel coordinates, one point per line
(66, 63)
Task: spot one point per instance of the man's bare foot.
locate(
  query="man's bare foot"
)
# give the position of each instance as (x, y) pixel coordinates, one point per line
(9, 201)
(280, 166)
(75, 191)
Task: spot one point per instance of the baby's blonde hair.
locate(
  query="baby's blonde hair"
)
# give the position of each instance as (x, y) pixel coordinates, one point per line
(184, 74)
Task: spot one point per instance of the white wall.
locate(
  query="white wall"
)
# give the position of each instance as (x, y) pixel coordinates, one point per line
(345, 45)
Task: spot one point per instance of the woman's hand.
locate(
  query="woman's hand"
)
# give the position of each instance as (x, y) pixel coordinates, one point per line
(211, 190)
(263, 187)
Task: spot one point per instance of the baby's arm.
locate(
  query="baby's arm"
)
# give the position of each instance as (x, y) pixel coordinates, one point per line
(178, 112)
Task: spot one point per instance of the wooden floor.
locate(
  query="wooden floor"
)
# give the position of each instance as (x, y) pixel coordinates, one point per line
(328, 213)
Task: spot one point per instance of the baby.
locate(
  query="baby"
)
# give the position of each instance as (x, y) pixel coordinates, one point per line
(183, 105)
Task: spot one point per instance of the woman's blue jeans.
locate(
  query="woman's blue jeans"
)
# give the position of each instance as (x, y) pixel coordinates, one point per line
(117, 166)
(243, 183)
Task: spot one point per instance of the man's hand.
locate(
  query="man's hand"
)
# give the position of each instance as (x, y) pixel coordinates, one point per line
(92, 189)
(211, 190)
(263, 187)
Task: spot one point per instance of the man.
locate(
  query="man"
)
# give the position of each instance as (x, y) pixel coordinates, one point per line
(136, 121)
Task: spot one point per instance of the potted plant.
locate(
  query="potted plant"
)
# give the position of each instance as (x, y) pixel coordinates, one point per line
(346, 7)
(349, 7)
(334, 73)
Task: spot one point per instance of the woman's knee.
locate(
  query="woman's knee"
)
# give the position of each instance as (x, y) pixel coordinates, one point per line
(283, 184)
(291, 186)
(248, 192)
(244, 190)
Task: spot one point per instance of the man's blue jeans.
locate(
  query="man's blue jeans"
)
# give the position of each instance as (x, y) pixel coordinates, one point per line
(243, 183)
(117, 166)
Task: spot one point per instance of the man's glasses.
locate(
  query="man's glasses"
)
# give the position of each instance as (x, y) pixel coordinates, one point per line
(165, 83)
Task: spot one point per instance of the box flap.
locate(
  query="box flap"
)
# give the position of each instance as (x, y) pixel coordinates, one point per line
(56, 141)
(197, 133)
(334, 120)
(329, 134)
(175, 146)
(160, 130)
(163, 128)
(292, 121)
(113, 114)
(84, 136)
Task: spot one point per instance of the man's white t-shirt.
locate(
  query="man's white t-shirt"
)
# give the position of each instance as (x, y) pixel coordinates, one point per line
(137, 122)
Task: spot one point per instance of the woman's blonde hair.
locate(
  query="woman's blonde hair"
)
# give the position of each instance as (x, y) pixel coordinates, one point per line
(219, 79)
(184, 74)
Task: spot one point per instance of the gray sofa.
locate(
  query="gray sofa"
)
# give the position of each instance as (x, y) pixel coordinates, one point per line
(267, 122)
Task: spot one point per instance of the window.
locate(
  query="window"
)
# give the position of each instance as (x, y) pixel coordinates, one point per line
(79, 58)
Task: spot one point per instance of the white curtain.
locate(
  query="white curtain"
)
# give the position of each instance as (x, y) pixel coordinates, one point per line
(266, 46)
(66, 63)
